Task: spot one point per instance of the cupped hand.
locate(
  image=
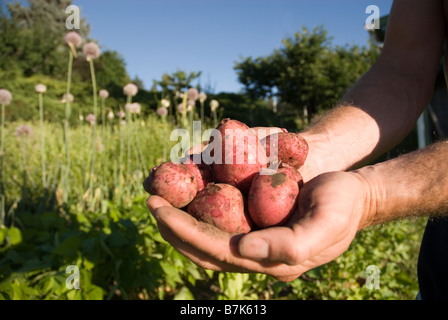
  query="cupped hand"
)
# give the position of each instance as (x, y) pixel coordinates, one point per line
(332, 206)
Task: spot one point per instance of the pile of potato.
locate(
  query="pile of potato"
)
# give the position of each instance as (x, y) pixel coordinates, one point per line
(236, 196)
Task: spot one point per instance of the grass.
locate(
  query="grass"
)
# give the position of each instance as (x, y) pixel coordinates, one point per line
(115, 165)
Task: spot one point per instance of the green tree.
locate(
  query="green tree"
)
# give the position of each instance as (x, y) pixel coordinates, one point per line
(32, 36)
(32, 48)
(177, 81)
(111, 70)
(307, 74)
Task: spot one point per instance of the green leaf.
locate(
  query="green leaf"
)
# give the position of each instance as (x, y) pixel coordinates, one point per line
(74, 294)
(114, 214)
(94, 293)
(69, 247)
(33, 264)
(184, 294)
(6, 291)
(2, 236)
(117, 239)
(51, 220)
(88, 264)
(14, 257)
(192, 269)
(22, 290)
(172, 274)
(82, 219)
(158, 237)
(48, 284)
(15, 236)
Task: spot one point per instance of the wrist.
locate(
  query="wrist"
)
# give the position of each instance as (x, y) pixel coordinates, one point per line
(321, 158)
(374, 196)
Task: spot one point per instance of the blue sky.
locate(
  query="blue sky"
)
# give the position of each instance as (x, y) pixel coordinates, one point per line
(158, 36)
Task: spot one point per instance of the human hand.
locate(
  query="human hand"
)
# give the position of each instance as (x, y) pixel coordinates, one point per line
(332, 207)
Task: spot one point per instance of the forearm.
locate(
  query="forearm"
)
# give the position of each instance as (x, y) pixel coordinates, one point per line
(373, 117)
(381, 109)
(415, 184)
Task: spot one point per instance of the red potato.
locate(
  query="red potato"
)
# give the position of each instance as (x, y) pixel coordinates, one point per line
(291, 149)
(173, 182)
(202, 171)
(247, 157)
(273, 198)
(222, 206)
(262, 132)
(293, 173)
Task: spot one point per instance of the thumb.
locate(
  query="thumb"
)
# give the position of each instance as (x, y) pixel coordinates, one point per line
(291, 246)
(155, 202)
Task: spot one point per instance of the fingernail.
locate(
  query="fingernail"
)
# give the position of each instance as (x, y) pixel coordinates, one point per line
(254, 248)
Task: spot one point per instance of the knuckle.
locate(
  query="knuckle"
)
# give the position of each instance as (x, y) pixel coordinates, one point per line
(291, 255)
(288, 278)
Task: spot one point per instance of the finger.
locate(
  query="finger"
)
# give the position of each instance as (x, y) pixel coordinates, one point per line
(292, 246)
(155, 202)
(200, 258)
(157, 205)
(188, 229)
(168, 217)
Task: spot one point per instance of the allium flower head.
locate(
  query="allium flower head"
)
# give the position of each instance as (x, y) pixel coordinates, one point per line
(91, 119)
(110, 115)
(99, 145)
(137, 175)
(121, 114)
(179, 95)
(165, 103)
(5, 97)
(202, 97)
(91, 50)
(136, 108)
(23, 131)
(81, 117)
(74, 38)
(69, 98)
(180, 107)
(40, 88)
(191, 102)
(130, 90)
(193, 94)
(104, 94)
(162, 112)
(214, 105)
